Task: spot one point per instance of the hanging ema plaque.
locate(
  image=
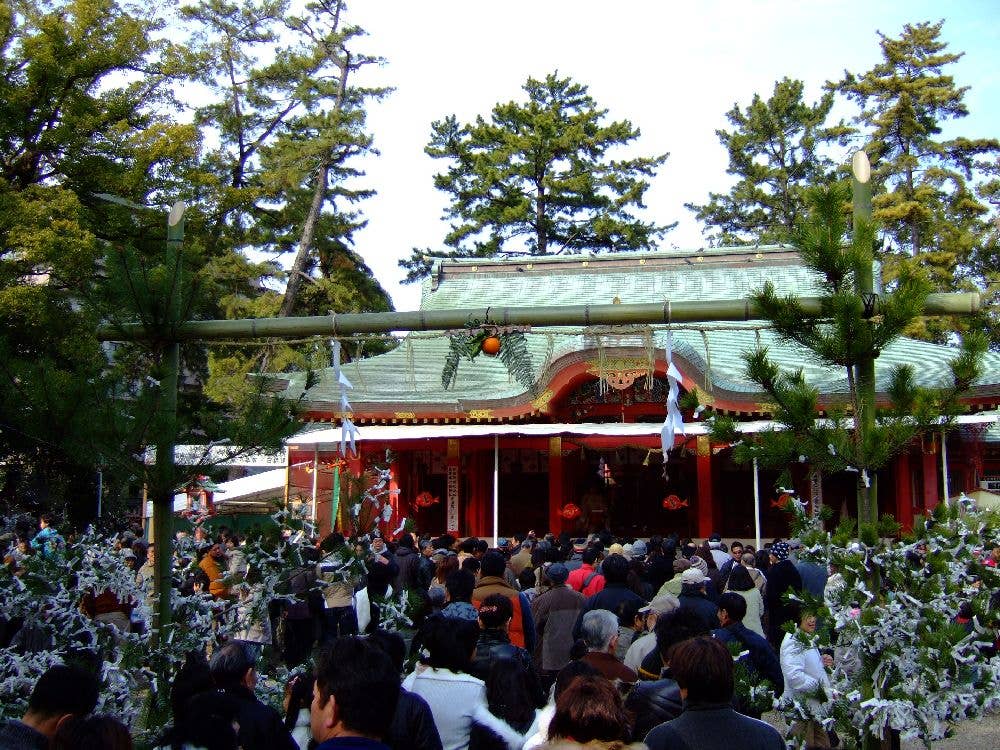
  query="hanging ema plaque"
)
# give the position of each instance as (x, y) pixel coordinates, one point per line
(453, 499)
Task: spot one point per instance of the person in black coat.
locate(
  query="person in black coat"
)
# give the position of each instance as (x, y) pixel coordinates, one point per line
(234, 673)
(703, 668)
(761, 660)
(654, 701)
(693, 597)
(615, 569)
(782, 578)
(412, 726)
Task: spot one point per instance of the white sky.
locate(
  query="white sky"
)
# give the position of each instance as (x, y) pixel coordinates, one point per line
(672, 69)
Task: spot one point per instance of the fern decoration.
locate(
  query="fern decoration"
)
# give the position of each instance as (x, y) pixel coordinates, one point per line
(513, 352)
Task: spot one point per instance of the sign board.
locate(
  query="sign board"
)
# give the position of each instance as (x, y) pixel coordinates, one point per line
(990, 484)
(452, 498)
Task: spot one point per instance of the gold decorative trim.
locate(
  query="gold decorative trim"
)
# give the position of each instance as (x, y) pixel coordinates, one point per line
(404, 415)
(480, 414)
(704, 447)
(542, 402)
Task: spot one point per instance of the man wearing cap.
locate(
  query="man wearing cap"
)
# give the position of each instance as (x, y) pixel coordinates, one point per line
(718, 554)
(645, 644)
(693, 597)
(673, 586)
(555, 611)
(782, 577)
(576, 559)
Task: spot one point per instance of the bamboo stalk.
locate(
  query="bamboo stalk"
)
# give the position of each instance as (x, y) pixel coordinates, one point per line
(963, 303)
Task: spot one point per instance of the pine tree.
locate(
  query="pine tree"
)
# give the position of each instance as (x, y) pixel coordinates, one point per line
(777, 148)
(847, 333)
(289, 122)
(538, 177)
(928, 205)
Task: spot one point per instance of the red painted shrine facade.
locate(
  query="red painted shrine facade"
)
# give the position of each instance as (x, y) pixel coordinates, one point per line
(588, 435)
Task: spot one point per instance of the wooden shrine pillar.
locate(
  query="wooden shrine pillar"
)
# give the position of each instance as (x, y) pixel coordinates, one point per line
(453, 474)
(904, 491)
(930, 471)
(556, 492)
(706, 504)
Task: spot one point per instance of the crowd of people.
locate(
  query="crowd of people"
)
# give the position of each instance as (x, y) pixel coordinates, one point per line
(541, 641)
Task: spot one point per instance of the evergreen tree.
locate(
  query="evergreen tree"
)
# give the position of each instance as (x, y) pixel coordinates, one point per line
(288, 122)
(928, 204)
(538, 177)
(777, 148)
(847, 332)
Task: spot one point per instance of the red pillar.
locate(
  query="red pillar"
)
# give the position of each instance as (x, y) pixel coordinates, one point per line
(706, 509)
(930, 467)
(556, 494)
(904, 491)
(394, 469)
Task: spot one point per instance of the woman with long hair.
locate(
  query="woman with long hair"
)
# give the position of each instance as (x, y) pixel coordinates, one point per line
(457, 699)
(444, 568)
(510, 697)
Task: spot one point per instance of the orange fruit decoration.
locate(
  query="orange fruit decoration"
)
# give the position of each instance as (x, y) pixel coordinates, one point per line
(491, 345)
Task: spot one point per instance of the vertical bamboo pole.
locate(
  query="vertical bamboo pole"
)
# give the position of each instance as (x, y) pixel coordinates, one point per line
(163, 496)
(861, 194)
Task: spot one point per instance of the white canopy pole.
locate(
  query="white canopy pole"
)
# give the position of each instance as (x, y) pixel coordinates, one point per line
(315, 486)
(496, 488)
(944, 466)
(756, 504)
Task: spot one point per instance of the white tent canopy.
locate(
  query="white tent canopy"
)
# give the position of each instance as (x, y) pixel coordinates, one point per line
(329, 438)
(243, 491)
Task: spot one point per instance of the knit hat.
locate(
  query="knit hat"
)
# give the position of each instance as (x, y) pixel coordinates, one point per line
(700, 564)
(616, 549)
(680, 565)
(661, 604)
(579, 545)
(557, 573)
(639, 548)
(627, 551)
(693, 577)
(780, 550)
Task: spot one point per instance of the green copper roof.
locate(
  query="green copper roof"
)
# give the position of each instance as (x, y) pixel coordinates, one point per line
(410, 376)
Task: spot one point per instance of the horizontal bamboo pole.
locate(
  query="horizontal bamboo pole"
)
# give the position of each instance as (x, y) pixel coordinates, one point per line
(965, 303)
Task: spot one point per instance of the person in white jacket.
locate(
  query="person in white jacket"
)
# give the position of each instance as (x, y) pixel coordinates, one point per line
(457, 699)
(803, 667)
(804, 670)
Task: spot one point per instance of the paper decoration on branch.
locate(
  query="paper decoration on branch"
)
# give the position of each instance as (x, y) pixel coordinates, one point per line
(672, 502)
(674, 421)
(348, 430)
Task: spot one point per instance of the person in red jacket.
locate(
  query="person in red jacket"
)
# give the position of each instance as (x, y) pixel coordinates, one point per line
(586, 579)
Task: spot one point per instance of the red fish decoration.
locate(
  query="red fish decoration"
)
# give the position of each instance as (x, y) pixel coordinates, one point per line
(672, 502)
(425, 500)
(570, 511)
(782, 502)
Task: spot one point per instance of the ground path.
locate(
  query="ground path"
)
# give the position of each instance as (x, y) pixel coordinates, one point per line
(980, 734)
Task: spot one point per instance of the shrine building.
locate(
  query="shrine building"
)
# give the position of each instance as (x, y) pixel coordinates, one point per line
(587, 435)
